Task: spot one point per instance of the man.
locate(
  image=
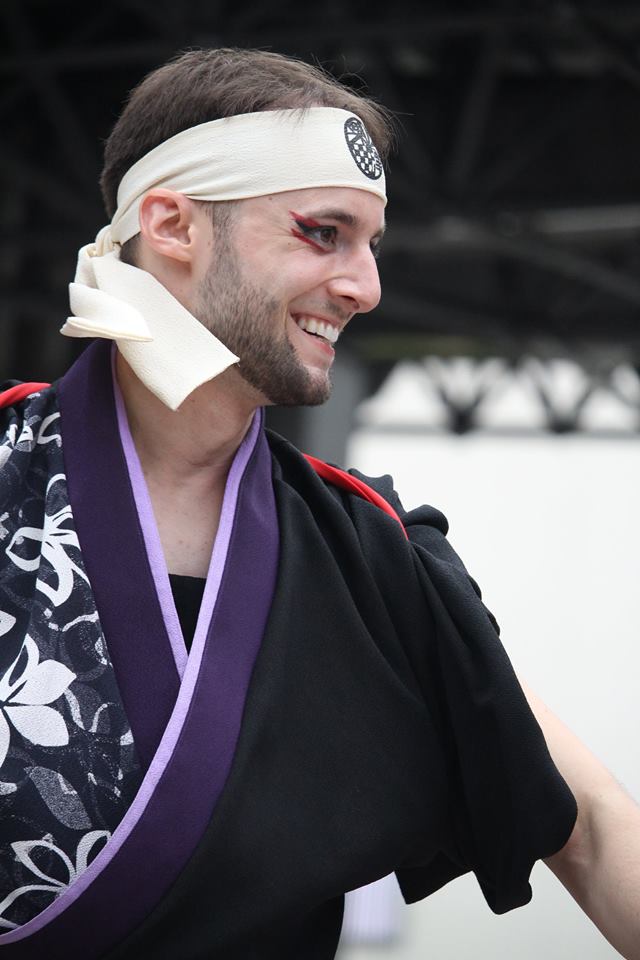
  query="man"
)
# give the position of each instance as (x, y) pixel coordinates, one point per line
(345, 709)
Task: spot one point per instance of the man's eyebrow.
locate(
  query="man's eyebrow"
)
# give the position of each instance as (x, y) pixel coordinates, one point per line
(348, 219)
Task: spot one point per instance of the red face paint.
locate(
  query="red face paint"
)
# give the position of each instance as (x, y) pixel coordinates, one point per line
(306, 223)
(301, 236)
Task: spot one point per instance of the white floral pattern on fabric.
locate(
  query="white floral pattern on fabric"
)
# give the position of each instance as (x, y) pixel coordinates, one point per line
(23, 695)
(50, 543)
(68, 763)
(43, 436)
(7, 622)
(24, 850)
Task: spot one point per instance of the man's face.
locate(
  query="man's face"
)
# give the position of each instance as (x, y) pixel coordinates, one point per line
(288, 273)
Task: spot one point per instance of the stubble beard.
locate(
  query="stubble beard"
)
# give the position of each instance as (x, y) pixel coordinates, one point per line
(245, 320)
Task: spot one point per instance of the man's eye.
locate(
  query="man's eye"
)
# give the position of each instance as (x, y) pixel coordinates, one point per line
(322, 236)
(326, 234)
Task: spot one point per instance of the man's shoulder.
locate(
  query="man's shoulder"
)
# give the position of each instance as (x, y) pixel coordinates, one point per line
(26, 416)
(294, 466)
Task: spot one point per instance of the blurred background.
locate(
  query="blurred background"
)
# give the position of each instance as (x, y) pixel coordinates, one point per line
(500, 376)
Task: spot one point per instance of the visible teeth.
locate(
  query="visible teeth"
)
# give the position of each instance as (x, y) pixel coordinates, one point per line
(331, 333)
(319, 327)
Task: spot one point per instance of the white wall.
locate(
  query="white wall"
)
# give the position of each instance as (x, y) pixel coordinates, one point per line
(550, 528)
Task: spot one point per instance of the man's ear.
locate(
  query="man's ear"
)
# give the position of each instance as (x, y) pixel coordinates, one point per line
(169, 225)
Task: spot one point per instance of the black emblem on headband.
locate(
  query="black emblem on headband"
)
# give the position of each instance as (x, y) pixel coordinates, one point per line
(362, 149)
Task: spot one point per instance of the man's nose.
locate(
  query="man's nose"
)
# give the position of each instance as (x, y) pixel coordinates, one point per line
(358, 281)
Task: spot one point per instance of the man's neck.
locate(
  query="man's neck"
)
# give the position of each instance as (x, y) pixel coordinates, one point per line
(195, 444)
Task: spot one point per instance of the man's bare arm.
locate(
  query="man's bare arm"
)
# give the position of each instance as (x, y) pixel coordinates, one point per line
(600, 863)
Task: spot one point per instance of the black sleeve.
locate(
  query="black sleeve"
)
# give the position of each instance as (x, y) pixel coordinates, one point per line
(509, 804)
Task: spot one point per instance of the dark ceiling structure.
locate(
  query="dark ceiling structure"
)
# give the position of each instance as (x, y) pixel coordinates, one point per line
(514, 213)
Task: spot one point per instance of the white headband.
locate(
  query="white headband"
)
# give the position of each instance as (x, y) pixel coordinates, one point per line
(250, 155)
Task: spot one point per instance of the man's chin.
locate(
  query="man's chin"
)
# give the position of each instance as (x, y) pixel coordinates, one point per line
(310, 397)
(317, 390)
(290, 402)
(298, 387)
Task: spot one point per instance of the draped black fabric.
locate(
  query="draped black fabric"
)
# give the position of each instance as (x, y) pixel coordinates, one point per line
(383, 730)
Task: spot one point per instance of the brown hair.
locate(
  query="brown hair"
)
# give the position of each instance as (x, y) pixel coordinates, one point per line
(204, 85)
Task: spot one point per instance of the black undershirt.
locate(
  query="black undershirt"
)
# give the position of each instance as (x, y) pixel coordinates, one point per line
(187, 596)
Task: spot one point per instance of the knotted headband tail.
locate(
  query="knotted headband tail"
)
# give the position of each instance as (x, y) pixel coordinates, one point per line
(170, 351)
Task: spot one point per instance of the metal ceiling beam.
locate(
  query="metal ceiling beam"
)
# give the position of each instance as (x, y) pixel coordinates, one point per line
(455, 234)
(68, 60)
(557, 20)
(474, 115)
(67, 203)
(63, 121)
(621, 55)
(531, 142)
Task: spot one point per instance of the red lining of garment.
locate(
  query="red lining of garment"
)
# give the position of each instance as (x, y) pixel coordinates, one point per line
(340, 478)
(19, 392)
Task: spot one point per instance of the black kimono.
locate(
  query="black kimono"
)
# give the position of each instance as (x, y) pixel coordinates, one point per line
(346, 709)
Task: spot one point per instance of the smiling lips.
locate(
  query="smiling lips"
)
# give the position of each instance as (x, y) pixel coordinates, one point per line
(318, 327)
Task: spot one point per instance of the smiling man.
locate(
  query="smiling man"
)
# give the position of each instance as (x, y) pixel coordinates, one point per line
(236, 683)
